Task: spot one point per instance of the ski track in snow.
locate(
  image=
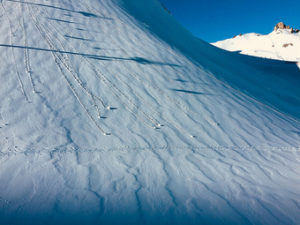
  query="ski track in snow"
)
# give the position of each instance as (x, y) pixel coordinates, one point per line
(103, 122)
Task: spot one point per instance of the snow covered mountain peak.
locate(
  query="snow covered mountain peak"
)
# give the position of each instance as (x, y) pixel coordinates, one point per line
(283, 43)
(282, 26)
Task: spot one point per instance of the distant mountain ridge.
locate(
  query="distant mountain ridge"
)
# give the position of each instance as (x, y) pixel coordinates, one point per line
(283, 43)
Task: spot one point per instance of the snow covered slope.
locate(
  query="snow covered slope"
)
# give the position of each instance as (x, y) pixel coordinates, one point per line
(280, 44)
(112, 113)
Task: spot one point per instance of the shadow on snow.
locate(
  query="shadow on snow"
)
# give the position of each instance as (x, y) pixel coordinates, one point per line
(86, 14)
(97, 57)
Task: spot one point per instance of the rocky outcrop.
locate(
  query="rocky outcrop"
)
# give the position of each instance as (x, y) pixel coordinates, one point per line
(287, 45)
(281, 25)
(295, 31)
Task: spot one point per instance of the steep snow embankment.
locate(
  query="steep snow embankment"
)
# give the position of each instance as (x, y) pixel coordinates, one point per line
(110, 112)
(280, 44)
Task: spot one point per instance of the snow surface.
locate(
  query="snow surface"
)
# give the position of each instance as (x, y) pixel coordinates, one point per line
(280, 44)
(112, 113)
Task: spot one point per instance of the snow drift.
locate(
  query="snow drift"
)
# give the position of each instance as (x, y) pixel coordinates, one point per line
(112, 113)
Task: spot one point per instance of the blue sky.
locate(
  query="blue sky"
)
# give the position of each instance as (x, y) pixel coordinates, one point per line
(214, 20)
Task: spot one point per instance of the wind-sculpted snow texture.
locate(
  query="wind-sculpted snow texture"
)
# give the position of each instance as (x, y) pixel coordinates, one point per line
(111, 113)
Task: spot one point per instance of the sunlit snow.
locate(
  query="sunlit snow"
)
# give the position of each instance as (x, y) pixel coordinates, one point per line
(112, 113)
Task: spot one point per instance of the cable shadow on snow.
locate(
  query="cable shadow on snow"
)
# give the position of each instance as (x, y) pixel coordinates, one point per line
(78, 38)
(139, 60)
(189, 92)
(97, 57)
(61, 21)
(86, 14)
(181, 80)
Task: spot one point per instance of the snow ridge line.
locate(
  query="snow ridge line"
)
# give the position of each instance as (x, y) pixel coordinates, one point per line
(134, 174)
(100, 197)
(167, 185)
(227, 201)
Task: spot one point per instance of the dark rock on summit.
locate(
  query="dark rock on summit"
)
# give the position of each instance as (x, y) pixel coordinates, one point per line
(281, 25)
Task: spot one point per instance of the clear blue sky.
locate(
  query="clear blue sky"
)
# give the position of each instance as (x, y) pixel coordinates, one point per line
(214, 20)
